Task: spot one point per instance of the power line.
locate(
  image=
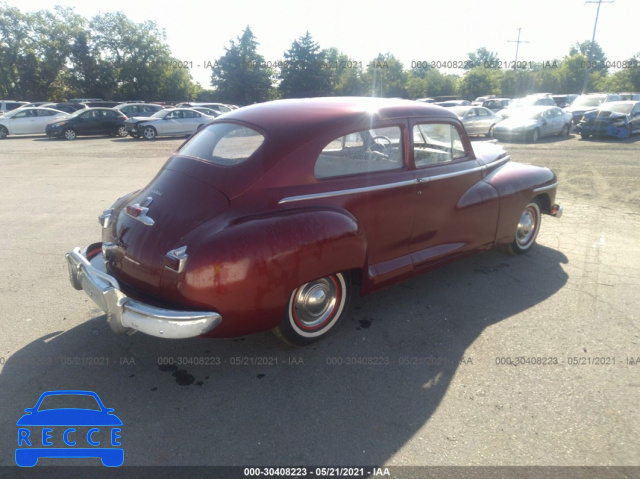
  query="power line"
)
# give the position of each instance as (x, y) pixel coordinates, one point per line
(593, 39)
(518, 42)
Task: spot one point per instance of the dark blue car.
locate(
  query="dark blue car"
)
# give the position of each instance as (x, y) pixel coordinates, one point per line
(69, 432)
(619, 119)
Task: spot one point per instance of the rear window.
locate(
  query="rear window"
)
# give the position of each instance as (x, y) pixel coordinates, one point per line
(224, 144)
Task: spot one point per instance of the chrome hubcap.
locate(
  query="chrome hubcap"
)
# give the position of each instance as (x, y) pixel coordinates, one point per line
(526, 227)
(315, 302)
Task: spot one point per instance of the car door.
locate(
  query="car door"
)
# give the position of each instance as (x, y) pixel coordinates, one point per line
(485, 121)
(634, 118)
(24, 122)
(366, 173)
(471, 120)
(192, 120)
(455, 211)
(47, 116)
(171, 124)
(88, 122)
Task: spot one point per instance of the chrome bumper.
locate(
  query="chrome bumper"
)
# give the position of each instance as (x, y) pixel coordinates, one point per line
(128, 315)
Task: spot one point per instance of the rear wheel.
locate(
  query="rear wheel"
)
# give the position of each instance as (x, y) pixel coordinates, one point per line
(122, 131)
(315, 309)
(527, 230)
(565, 130)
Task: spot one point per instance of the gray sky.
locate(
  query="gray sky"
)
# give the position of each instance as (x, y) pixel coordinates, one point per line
(443, 31)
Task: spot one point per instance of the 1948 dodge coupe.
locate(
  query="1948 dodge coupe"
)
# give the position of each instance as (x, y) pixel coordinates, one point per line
(271, 215)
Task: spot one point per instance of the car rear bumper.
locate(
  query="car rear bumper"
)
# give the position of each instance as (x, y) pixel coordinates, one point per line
(125, 314)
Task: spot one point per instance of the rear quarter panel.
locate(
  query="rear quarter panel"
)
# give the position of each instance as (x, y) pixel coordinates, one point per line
(247, 271)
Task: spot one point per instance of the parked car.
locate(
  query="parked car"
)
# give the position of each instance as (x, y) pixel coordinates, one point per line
(207, 111)
(481, 99)
(168, 122)
(533, 123)
(564, 101)
(66, 106)
(89, 121)
(588, 102)
(619, 119)
(426, 100)
(219, 107)
(477, 120)
(496, 104)
(102, 104)
(8, 105)
(450, 103)
(35, 103)
(271, 215)
(630, 96)
(138, 109)
(28, 121)
(537, 99)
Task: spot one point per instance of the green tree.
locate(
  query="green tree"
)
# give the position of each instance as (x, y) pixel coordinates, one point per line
(241, 75)
(483, 58)
(304, 72)
(477, 82)
(385, 77)
(345, 74)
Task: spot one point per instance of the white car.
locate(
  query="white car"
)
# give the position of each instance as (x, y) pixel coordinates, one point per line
(28, 121)
(169, 122)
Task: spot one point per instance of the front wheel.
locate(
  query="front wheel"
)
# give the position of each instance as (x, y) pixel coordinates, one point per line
(3, 132)
(527, 230)
(69, 134)
(534, 136)
(315, 309)
(149, 133)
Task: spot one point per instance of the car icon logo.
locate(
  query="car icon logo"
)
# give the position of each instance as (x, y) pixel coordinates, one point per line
(91, 430)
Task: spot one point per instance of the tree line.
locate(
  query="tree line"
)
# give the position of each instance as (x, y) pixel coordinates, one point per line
(58, 54)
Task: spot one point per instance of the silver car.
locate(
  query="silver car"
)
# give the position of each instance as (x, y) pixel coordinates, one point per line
(28, 121)
(477, 120)
(533, 123)
(169, 122)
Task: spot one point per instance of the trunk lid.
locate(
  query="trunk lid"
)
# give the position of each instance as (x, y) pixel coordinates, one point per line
(154, 221)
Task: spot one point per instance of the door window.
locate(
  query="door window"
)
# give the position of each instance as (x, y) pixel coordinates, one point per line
(436, 143)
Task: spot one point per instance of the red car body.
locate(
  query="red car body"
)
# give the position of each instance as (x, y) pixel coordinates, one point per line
(280, 238)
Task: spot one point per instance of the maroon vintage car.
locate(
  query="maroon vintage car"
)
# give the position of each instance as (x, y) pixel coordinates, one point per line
(271, 216)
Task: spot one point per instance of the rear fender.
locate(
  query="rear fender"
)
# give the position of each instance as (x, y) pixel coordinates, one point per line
(247, 271)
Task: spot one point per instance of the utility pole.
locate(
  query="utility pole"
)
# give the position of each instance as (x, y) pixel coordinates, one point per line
(517, 42)
(593, 39)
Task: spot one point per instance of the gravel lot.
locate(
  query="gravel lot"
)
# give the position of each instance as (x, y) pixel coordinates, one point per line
(416, 375)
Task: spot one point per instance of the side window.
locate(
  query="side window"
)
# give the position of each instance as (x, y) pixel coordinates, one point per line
(191, 114)
(436, 143)
(45, 112)
(361, 152)
(23, 114)
(482, 112)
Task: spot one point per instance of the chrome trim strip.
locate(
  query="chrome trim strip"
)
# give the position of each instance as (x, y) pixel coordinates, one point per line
(351, 191)
(125, 314)
(368, 189)
(545, 188)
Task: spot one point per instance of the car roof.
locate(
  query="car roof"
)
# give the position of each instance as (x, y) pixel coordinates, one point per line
(319, 114)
